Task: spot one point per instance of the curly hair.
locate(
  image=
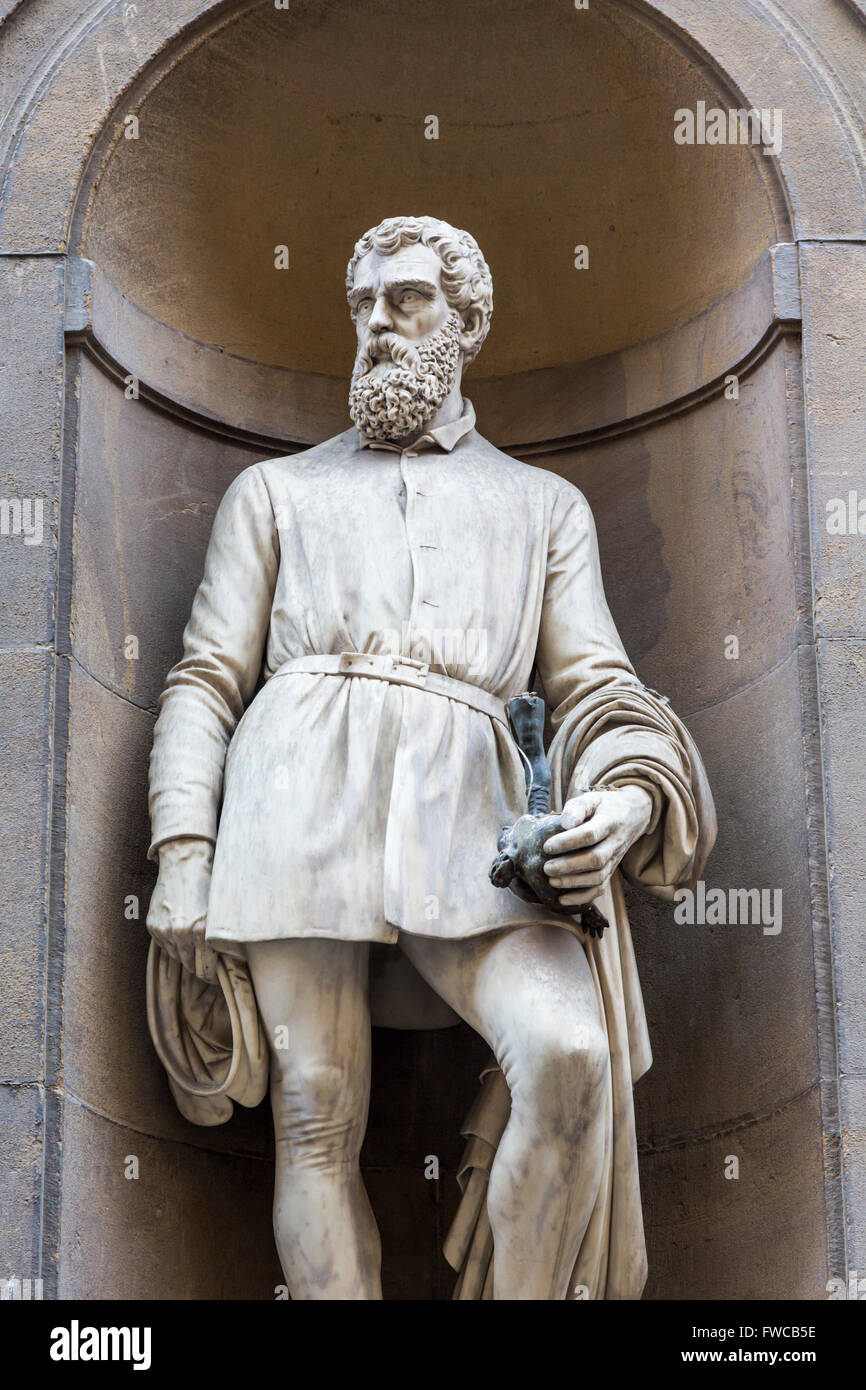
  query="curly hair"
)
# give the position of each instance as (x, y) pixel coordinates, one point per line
(466, 279)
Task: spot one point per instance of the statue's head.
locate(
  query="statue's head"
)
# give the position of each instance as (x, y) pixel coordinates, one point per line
(421, 297)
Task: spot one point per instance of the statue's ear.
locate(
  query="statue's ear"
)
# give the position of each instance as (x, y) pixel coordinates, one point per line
(473, 327)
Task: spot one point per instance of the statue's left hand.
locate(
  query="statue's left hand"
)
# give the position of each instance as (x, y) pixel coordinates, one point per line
(598, 828)
(178, 909)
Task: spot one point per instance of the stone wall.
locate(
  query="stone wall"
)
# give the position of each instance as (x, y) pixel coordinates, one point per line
(153, 258)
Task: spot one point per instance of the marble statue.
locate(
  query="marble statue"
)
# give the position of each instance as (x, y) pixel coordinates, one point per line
(332, 769)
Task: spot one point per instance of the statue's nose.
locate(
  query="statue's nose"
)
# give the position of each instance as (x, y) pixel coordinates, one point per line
(380, 319)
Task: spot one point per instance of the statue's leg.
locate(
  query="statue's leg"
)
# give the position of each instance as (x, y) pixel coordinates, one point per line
(529, 993)
(312, 995)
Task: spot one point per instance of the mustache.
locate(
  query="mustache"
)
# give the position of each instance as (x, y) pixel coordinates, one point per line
(388, 347)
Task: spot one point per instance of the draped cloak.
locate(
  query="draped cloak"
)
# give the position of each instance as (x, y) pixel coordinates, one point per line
(351, 808)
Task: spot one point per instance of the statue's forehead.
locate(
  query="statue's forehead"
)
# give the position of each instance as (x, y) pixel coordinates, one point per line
(409, 263)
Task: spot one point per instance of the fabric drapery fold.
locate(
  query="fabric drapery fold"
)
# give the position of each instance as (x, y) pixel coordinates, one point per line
(628, 734)
(611, 1263)
(208, 1037)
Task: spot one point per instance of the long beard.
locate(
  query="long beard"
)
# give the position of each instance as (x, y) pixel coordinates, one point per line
(398, 401)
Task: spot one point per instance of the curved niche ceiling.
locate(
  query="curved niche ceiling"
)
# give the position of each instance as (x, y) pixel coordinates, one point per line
(302, 127)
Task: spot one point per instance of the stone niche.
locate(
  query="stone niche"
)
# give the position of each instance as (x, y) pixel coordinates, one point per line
(663, 379)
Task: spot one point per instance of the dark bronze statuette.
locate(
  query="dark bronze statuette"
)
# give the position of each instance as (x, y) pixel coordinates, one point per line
(519, 865)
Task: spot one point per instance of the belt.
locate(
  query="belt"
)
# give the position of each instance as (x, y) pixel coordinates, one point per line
(399, 670)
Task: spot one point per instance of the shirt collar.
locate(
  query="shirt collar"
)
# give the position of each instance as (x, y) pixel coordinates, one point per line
(443, 437)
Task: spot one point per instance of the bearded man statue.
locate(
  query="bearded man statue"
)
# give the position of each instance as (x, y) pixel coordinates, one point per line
(323, 794)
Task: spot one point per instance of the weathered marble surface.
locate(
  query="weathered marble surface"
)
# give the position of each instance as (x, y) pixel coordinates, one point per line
(79, 75)
(358, 796)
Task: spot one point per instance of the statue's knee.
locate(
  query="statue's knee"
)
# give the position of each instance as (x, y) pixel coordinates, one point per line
(318, 1119)
(567, 1078)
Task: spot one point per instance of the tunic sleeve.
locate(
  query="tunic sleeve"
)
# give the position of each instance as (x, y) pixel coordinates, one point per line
(207, 691)
(609, 729)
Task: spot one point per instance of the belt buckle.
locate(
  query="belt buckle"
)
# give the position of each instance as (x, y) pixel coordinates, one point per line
(409, 671)
(354, 663)
(349, 662)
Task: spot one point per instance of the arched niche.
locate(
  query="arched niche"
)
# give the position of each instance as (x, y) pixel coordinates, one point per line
(259, 127)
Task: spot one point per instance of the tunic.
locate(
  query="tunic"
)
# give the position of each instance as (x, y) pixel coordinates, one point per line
(353, 808)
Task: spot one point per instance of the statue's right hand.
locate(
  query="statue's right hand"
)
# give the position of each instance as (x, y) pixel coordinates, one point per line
(178, 908)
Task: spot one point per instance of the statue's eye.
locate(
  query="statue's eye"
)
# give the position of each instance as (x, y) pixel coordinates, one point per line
(365, 306)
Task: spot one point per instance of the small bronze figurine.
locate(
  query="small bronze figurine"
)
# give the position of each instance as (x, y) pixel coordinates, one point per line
(519, 865)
